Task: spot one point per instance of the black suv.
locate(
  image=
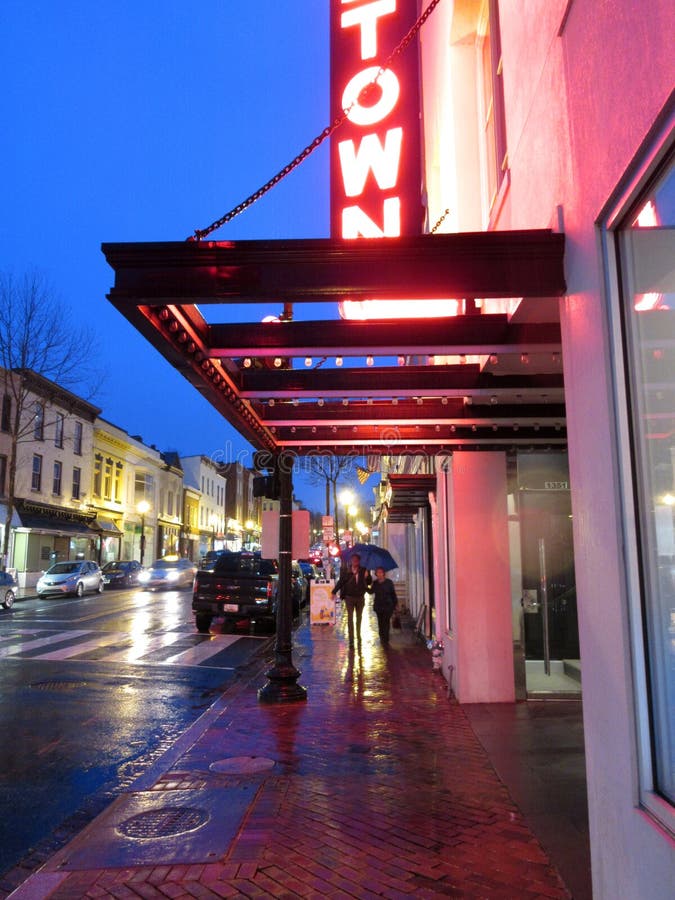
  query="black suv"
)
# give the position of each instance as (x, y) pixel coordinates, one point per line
(241, 586)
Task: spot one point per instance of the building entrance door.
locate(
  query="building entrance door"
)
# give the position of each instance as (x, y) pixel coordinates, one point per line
(549, 635)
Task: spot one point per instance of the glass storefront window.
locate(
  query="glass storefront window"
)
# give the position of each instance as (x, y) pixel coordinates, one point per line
(646, 251)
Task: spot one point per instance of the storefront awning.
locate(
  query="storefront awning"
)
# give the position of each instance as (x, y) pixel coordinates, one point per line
(106, 526)
(488, 379)
(53, 525)
(408, 493)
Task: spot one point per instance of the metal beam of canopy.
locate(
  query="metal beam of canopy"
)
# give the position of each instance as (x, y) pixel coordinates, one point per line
(476, 264)
(284, 385)
(461, 334)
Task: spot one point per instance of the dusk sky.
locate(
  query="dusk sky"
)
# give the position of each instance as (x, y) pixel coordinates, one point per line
(141, 121)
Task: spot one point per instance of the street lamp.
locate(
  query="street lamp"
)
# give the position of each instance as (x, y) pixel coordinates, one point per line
(143, 506)
(353, 512)
(347, 498)
(213, 521)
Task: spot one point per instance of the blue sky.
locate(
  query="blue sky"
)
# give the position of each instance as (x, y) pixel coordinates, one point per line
(142, 121)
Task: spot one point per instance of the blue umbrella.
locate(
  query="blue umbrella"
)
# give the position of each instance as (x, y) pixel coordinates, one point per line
(372, 556)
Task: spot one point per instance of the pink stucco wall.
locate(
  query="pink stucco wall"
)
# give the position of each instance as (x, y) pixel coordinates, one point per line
(580, 100)
(481, 602)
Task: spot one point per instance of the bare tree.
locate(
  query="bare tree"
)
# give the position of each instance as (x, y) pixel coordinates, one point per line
(329, 469)
(36, 335)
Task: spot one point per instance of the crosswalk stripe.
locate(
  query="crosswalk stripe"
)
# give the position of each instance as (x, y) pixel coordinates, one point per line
(142, 646)
(23, 646)
(77, 649)
(203, 651)
(118, 647)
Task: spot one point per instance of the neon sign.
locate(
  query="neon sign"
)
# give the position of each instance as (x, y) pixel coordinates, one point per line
(375, 154)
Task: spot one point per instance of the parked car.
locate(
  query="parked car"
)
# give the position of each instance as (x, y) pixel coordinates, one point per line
(300, 584)
(72, 577)
(310, 570)
(316, 556)
(121, 573)
(7, 590)
(209, 559)
(242, 586)
(169, 572)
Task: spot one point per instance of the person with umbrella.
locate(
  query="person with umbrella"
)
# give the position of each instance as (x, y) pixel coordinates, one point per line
(384, 603)
(353, 584)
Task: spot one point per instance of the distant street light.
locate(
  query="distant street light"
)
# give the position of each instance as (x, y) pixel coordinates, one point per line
(347, 498)
(213, 521)
(142, 506)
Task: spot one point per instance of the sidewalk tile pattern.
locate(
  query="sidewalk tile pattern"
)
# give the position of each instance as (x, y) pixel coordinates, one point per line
(379, 789)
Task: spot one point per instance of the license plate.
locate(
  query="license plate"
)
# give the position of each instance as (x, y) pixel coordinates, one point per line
(106, 581)
(230, 607)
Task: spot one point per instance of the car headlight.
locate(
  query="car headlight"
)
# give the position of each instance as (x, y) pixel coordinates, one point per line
(172, 575)
(144, 576)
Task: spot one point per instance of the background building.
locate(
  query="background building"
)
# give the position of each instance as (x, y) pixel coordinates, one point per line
(202, 473)
(54, 462)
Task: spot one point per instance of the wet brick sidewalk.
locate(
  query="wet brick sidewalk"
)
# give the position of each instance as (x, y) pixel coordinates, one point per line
(375, 787)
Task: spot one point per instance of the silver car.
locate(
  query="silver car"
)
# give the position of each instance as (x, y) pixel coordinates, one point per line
(7, 590)
(72, 577)
(170, 572)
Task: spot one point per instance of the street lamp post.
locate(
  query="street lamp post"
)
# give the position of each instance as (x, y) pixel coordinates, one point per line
(347, 498)
(143, 508)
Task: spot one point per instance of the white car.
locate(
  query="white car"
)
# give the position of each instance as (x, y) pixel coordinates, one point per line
(72, 577)
(170, 572)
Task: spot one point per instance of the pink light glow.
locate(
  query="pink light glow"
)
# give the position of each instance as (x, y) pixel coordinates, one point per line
(647, 218)
(364, 310)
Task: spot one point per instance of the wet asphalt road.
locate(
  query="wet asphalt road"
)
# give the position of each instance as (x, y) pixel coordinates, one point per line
(93, 692)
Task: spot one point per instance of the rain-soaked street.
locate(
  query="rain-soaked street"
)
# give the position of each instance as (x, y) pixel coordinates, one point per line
(94, 690)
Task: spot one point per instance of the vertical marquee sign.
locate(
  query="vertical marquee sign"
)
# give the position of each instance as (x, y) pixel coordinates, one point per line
(375, 153)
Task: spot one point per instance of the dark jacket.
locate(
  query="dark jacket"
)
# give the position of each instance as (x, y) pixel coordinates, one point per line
(385, 596)
(348, 586)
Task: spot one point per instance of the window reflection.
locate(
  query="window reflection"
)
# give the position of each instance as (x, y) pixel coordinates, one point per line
(647, 254)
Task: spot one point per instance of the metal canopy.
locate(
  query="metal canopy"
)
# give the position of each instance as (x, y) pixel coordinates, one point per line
(476, 381)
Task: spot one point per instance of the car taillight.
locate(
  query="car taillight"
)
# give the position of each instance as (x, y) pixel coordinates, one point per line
(270, 592)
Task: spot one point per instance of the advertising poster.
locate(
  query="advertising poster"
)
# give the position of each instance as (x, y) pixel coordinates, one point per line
(321, 603)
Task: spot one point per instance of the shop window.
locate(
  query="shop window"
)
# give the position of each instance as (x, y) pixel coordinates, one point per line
(6, 416)
(644, 246)
(36, 474)
(169, 503)
(38, 422)
(77, 439)
(58, 430)
(77, 483)
(56, 481)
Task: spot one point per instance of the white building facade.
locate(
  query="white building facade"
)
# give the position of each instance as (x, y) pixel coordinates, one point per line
(202, 474)
(559, 114)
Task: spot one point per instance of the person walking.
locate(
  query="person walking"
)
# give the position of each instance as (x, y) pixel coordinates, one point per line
(384, 603)
(352, 585)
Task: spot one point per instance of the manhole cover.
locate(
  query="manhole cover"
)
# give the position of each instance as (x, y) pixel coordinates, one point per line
(163, 822)
(58, 685)
(242, 765)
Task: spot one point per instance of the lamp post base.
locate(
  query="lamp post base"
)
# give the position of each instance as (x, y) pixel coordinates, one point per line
(282, 685)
